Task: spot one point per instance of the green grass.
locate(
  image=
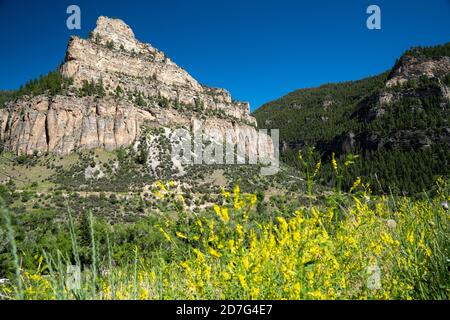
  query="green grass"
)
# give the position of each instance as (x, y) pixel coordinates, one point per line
(234, 252)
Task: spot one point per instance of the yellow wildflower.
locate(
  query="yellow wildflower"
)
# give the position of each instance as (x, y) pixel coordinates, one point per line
(214, 252)
(166, 235)
(334, 162)
(318, 166)
(243, 282)
(254, 293)
(143, 294)
(180, 235)
(222, 213)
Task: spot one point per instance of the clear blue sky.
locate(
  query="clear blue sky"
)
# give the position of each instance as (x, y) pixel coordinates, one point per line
(257, 49)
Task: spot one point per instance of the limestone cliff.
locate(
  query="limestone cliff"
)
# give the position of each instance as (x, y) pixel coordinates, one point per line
(141, 87)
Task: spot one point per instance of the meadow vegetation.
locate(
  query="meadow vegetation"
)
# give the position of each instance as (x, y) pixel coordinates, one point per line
(348, 245)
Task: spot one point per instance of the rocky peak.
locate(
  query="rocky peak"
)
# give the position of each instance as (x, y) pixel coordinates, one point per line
(115, 57)
(112, 53)
(412, 67)
(115, 30)
(153, 91)
(120, 35)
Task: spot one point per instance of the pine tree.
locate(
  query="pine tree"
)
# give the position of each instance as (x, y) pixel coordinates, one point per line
(118, 92)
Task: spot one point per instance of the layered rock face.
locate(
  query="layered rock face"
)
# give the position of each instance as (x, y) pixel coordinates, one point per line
(113, 55)
(63, 123)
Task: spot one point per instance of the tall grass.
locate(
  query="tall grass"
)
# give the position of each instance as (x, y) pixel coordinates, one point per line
(10, 236)
(317, 252)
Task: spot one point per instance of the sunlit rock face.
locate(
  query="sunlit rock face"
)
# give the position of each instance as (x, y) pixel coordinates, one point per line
(112, 56)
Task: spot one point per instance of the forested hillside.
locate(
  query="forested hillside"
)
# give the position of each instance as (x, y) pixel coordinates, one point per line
(397, 122)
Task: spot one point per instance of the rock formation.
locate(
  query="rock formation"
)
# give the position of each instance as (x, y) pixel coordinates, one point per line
(127, 70)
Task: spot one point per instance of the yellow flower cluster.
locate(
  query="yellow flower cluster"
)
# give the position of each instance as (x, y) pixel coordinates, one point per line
(314, 253)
